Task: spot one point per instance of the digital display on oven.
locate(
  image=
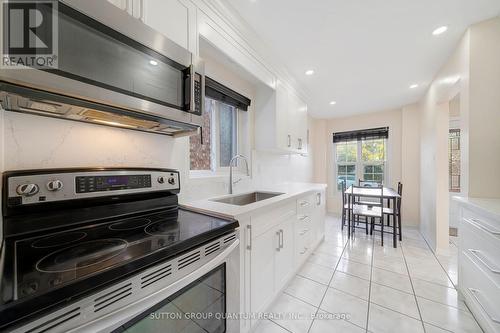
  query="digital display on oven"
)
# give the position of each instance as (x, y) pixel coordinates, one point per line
(116, 180)
(111, 183)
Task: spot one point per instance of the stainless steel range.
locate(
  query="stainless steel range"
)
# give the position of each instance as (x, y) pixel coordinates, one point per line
(102, 250)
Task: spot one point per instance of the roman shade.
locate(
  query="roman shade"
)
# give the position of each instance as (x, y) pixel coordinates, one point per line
(220, 92)
(365, 134)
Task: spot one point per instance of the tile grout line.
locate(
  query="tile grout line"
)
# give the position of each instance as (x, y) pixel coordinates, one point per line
(330, 281)
(439, 262)
(412, 288)
(276, 323)
(370, 286)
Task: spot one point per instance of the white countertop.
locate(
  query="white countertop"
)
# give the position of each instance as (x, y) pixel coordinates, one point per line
(484, 205)
(289, 190)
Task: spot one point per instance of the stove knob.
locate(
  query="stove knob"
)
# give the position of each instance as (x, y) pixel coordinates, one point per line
(171, 181)
(161, 179)
(54, 185)
(27, 190)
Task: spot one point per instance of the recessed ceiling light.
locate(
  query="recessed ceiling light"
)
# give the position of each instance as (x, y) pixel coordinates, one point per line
(440, 30)
(309, 72)
(333, 103)
(413, 86)
(153, 62)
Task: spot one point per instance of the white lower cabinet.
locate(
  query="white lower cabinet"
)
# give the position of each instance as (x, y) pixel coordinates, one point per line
(278, 242)
(479, 266)
(283, 257)
(262, 270)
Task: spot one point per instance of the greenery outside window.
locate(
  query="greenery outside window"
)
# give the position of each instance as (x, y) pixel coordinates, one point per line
(361, 159)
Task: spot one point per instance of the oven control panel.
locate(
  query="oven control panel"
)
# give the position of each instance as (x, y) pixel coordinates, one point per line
(39, 187)
(87, 184)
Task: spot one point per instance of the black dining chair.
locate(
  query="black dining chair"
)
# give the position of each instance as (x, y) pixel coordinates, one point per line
(394, 213)
(370, 212)
(345, 207)
(369, 183)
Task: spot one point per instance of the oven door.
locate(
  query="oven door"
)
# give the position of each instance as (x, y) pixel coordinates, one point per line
(106, 56)
(198, 307)
(200, 301)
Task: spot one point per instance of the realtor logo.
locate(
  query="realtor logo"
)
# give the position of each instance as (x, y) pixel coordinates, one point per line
(29, 36)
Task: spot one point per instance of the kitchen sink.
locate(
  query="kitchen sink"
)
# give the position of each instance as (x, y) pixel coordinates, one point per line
(247, 198)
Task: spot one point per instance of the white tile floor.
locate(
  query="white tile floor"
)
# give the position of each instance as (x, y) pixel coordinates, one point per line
(360, 286)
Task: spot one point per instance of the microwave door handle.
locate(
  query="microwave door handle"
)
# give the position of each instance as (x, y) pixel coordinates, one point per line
(192, 73)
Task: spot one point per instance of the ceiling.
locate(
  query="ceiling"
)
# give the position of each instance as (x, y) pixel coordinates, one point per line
(365, 53)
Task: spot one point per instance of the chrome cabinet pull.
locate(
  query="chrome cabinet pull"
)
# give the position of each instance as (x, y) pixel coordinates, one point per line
(478, 223)
(318, 195)
(282, 239)
(289, 144)
(300, 144)
(279, 240)
(478, 254)
(249, 233)
(474, 293)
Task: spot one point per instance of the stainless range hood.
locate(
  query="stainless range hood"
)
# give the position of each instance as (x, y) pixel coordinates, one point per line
(28, 100)
(112, 70)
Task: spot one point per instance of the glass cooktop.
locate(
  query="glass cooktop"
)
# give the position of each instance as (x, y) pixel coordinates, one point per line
(48, 262)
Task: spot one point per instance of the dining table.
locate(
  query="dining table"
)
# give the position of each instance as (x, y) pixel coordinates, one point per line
(372, 192)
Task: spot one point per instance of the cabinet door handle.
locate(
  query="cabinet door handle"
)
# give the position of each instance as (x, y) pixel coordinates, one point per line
(289, 144)
(279, 241)
(300, 144)
(282, 244)
(249, 235)
(318, 195)
(478, 223)
(479, 256)
(142, 18)
(474, 293)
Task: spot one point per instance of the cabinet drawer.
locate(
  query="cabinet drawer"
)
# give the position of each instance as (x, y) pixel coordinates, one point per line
(482, 292)
(303, 243)
(486, 224)
(482, 248)
(305, 205)
(264, 221)
(303, 221)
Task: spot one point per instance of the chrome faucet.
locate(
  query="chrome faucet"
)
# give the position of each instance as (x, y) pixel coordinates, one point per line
(231, 183)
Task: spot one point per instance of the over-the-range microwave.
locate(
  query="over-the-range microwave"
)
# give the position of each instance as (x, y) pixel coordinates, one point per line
(114, 70)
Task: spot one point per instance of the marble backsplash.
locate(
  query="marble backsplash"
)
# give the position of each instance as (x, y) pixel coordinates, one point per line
(33, 142)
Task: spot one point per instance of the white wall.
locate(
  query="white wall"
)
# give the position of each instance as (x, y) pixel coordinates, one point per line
(410, 164)
(484, 121)
(403, 154)
(452, 79)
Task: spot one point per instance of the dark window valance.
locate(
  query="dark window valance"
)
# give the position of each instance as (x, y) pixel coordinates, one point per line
(220, 92)
(366, 134)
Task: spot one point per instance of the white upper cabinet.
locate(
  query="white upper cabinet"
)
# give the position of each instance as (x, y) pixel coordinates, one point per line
(280, 120)
(122, 4)
(172, 18)
(132, 7)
